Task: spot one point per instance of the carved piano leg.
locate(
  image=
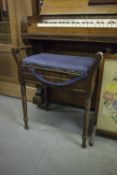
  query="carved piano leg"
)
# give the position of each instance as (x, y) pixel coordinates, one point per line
(86, 121)
(24, 104)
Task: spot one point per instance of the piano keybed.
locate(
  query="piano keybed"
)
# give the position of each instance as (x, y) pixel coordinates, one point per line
(89, 28)
(83, 23)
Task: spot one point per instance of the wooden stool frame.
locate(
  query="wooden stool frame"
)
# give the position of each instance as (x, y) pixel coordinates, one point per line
(90, 84)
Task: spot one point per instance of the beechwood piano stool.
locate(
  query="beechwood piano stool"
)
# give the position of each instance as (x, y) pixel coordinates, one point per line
(80, 68)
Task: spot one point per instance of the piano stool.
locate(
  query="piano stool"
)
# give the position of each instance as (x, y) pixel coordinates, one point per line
(77, 68)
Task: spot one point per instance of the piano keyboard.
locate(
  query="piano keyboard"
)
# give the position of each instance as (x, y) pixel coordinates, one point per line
(86, 23)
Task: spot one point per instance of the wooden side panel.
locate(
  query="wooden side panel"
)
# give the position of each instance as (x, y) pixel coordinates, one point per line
(23, 8)
(12, 20)
(8, 70)
(13, 90)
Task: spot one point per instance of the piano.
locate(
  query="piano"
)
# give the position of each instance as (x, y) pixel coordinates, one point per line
(72, 26)
(74, 20)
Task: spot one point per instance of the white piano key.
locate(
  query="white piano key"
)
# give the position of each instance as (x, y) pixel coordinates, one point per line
(86, 23)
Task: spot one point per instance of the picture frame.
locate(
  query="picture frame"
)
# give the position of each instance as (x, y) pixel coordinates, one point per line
(107, 111)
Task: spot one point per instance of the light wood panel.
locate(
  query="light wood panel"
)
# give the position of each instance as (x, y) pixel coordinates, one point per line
(8, 68)
(9, 84)
(13, 25)
(13, 90)
(23, 8)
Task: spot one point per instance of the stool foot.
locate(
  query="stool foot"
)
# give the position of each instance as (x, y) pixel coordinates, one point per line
(84, 145)
(26, 123)
(91, 144)
(84, 142)
(92, 138)
(26, 126)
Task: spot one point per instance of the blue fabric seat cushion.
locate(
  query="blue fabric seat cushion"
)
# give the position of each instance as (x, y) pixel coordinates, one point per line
(60, 63)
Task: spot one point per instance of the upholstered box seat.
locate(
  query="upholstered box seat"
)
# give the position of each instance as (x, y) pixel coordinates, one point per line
(46, 70)
(60, 63)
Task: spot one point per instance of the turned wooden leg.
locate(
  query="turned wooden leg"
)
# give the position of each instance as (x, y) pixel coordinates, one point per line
(24, 104)
(86, 121)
